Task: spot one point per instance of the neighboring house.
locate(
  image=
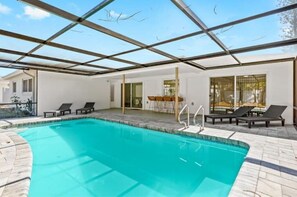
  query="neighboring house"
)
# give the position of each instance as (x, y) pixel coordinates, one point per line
(49, 90)
(20, 85)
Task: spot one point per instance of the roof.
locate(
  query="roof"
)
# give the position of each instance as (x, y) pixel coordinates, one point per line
(91, 38)
(3, 82)
(13, 74)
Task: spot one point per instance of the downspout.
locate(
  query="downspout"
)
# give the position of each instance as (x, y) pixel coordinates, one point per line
(34, 88)
(295, 91)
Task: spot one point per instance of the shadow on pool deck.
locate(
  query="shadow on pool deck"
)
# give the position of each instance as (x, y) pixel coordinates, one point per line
(164, 119)
(168, 121)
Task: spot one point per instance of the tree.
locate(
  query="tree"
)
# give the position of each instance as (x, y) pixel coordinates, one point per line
(289, 21)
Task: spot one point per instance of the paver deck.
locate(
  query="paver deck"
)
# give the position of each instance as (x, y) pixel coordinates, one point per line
(270, 168)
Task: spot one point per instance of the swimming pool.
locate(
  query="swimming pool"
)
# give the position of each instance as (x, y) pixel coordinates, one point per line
(90, 157)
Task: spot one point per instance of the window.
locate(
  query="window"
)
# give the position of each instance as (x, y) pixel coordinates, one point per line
(169, 87)
(250, 91)
(14, 87)
(27, 85)
(30, 85)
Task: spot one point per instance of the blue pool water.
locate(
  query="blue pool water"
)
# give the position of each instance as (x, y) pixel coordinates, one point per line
(90, 157)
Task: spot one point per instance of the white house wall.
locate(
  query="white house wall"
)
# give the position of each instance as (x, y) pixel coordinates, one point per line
(195, 87)
(55, 89)
(152, 86)
(3, 88)
(279, 85)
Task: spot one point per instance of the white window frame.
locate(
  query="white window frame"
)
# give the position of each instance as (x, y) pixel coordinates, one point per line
(163, 85)
(235, 85)
(14, 90)
(28, 88)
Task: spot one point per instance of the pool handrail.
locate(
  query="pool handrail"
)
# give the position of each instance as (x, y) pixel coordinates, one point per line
(202, 122)
(186, 124)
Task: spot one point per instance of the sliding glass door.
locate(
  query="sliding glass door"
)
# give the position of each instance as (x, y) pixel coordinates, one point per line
(221, 94)
(136, 93)
(133, 95)
(127, 95)
(250, 91)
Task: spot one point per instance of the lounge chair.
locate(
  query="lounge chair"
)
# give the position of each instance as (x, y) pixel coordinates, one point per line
(273, 113)
(88, 108)
(65, 107)
(241, 111)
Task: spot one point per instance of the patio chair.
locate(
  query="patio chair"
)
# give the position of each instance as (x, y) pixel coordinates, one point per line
(241, 111)
(273, 113)
(88, 108)
(65, 107)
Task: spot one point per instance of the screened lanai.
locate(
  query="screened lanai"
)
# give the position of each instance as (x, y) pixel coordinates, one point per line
(96, 38)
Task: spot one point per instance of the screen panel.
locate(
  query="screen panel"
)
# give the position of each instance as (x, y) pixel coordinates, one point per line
(146, 21)
(75, 7)
(5, 71)
(217, 61)
(268, 54)
(16, 44)
(87, 68)
(143, 56)
(6, 56)
(24, 19)
(192, 46)
(63, 54)
(111, 63)
(45, 62)
(261, 31)
(91, 40)
(216, 12)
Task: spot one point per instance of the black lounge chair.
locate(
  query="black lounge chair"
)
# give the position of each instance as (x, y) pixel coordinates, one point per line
(88, 108)
(273, 113)
(65, 107)
(241, 111)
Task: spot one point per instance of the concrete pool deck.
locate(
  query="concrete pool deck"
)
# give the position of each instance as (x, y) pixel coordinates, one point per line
(270, 168)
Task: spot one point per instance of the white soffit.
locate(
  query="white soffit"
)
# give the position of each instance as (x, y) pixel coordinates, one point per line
(217, 61)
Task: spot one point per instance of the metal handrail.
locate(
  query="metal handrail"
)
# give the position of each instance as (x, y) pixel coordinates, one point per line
(180, 113)
(202, 122)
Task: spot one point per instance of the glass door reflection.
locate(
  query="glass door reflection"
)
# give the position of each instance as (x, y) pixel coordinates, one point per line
(133, 95)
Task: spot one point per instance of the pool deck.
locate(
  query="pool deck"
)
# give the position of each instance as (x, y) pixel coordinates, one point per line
(270, 168)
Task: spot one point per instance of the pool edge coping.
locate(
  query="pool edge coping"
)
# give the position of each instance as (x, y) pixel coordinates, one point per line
(26, 186)
(19, 171)
(141, 125)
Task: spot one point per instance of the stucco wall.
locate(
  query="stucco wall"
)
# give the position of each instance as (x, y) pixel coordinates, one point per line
(3, 88)
(152, 86)
(195, 87)
(55, 89)
(279, 85)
